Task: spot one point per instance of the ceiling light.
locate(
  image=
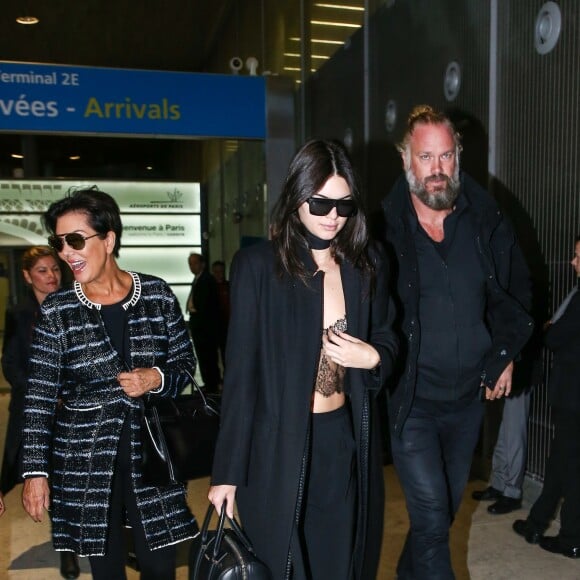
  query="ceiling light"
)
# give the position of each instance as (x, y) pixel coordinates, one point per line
(339, 24)
(149, 167)
(296, 55)
(293, 68)
(319, 40)
(74, 157)
(17, 156)
(322, 41)
(27, 20)
(340, 7)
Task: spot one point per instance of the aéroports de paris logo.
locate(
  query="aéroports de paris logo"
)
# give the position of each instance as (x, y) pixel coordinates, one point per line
(175, 195)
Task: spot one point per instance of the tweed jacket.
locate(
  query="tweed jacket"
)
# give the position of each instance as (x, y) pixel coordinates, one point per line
(73, 358)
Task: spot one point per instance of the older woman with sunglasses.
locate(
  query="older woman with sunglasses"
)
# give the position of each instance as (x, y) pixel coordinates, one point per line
(310, 345)
(101, 345)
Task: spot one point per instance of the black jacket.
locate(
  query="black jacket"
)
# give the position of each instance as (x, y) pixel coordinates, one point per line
(509, 324)
(563, 339)
(15, 356)
(272, 357)
(204, 321)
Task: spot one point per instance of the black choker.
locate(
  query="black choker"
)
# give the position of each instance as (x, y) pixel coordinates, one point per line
(316, 243)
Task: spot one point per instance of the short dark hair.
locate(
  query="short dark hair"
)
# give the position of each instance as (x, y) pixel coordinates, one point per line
(200, 256)
(102, 211)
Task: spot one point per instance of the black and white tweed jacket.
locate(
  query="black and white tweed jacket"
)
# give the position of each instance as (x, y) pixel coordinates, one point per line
(72, 358)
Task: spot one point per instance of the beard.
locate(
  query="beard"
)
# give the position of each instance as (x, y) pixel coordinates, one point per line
(443, 197)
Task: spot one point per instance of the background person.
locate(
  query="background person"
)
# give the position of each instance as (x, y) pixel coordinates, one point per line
(218, 271)
(455, 256)
(203, 308)
(41, 271)
(309, 346)
(509, 456)
(102, 344)
(562, 478)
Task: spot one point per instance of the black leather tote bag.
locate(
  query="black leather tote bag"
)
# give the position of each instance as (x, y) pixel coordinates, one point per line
(224, 553)
(178, 438)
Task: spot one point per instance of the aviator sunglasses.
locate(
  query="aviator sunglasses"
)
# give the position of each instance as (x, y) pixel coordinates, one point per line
(320, 206)
(74, 240)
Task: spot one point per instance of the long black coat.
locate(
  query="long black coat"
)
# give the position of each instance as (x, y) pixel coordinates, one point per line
(272, 356)
(15, 356)
(563, 339)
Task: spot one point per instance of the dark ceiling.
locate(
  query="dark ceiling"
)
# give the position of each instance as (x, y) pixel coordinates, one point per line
(148, 34)
(174, 35)
(171, 35)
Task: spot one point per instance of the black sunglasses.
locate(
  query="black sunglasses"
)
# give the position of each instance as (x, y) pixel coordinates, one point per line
(323, 206)
(74, 240)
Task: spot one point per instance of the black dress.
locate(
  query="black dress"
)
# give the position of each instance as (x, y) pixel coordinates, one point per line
(15, 354)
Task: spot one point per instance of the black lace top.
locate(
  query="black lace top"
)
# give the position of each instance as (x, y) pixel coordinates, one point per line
(330, 376)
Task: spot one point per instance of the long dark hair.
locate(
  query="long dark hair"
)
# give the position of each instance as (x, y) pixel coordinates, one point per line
(312, 166)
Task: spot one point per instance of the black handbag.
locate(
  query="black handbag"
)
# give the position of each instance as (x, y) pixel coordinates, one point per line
(224, 554)
(178, 437)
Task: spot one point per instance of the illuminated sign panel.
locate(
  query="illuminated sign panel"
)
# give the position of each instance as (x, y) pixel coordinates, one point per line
(161, 222)
(68, 99)
(27, 195)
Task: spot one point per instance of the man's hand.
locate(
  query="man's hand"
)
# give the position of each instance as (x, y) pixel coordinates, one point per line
(503, 386)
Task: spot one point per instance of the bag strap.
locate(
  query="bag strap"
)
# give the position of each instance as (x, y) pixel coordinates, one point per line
(235, 526)
(197, 388)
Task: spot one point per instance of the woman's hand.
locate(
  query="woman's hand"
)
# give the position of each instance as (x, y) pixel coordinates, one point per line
(137, 382)
(220, 493)
(349, 351)
(36, 497)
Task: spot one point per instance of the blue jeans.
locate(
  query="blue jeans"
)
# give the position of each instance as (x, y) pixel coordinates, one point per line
(432, 457)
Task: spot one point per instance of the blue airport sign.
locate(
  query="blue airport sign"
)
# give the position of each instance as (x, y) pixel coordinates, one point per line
(44, 98)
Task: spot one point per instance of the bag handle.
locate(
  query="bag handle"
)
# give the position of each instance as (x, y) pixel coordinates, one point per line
(235, 526)
(206, 403)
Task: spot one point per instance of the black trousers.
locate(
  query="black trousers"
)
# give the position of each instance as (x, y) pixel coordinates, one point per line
(154, 565)
(10, 475)
(206, 349)
(432, 457)
(562, 480)
(328, 520)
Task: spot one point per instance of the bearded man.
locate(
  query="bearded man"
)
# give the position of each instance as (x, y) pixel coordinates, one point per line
(462, 285)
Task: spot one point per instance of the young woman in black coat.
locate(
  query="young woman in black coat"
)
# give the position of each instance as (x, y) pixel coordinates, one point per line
(309, 346)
